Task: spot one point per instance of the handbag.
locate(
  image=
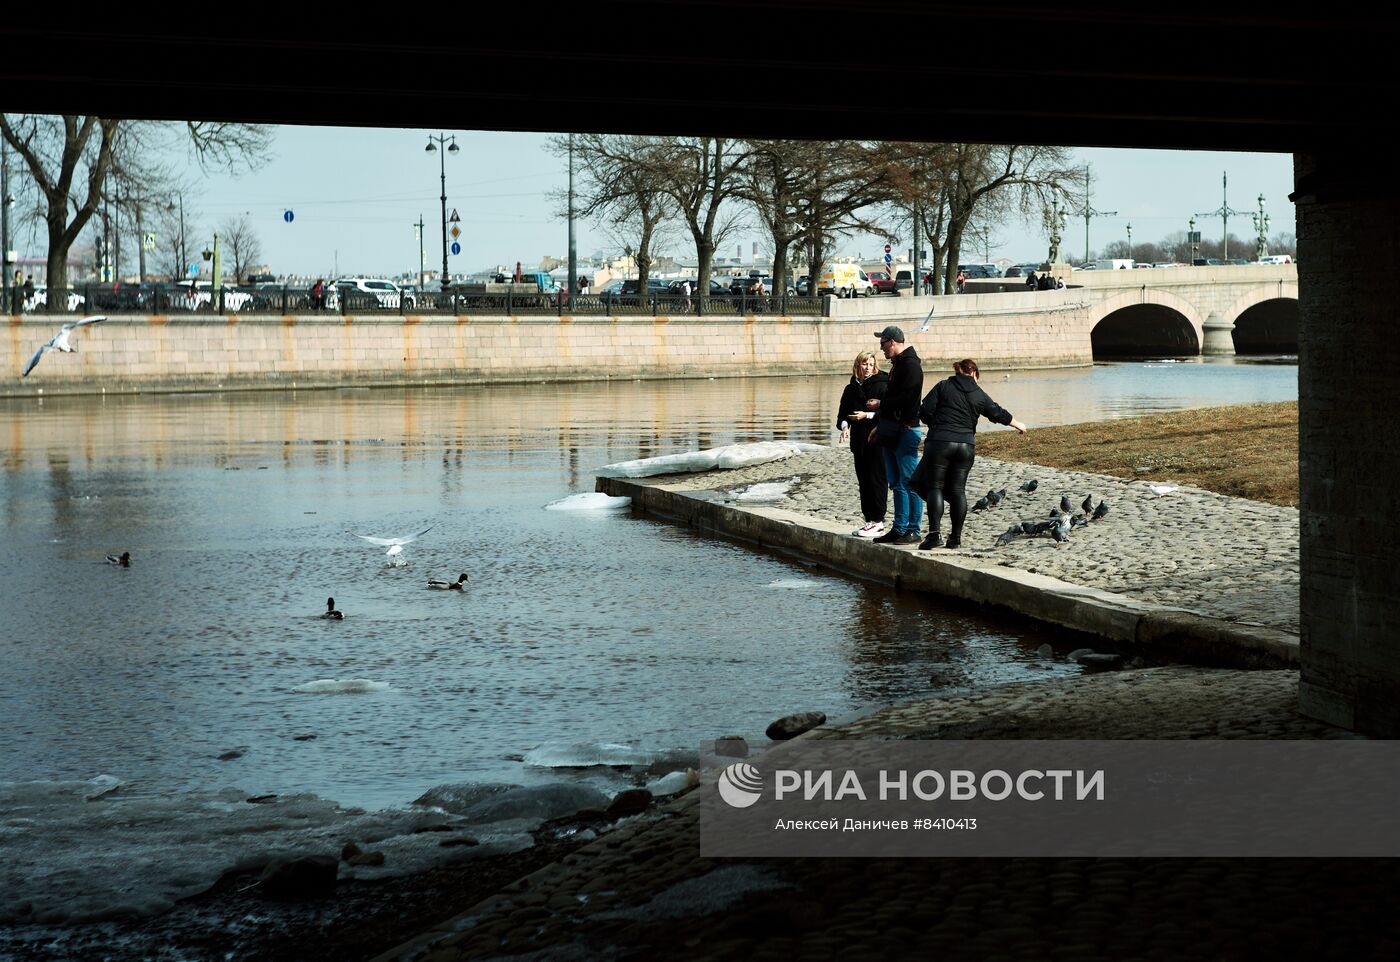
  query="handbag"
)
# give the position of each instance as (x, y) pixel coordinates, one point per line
(888, 432)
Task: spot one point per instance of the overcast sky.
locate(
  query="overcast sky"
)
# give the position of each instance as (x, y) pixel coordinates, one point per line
(356, 193)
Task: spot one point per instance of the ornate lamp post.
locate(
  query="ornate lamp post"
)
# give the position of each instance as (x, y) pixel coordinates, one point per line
(451, 148)
(1130, 241)
(1261, 230)
(1193, 239)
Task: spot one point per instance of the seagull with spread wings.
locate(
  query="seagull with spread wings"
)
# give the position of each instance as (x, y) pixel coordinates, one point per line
(395, 545)
(59, 342)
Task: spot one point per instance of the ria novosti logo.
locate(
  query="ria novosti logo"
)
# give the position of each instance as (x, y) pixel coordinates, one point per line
(740, 785)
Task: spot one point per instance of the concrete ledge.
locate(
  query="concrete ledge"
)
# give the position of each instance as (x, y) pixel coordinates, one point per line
(1157, 629)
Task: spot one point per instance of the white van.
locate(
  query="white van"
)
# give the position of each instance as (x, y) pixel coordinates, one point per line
(1275, 259)
(846, 280)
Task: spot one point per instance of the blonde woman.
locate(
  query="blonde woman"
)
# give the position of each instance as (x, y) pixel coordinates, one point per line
(855, 419)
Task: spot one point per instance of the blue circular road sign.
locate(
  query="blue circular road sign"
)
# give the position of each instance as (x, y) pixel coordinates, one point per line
(288, 216)
(456, 248)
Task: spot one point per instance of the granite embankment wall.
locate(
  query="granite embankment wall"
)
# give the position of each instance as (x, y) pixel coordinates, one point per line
(136, 353)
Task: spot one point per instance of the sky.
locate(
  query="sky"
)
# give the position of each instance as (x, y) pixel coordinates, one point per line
(356, 193)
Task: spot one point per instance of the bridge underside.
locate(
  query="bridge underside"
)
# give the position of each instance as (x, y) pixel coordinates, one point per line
(1145, 330)
(1268, 328)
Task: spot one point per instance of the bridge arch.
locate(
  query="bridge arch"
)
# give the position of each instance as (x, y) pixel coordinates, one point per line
(1266, 320)
(1146, 322)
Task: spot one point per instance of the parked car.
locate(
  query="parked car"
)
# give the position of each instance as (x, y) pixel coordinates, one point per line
(372, 292)
(199, 295)
(41, 299)
(971, 271)
(845, 280)
(1275, 259)
(1021, 270)
(884, 283)
(1207, 262)
(801, 287)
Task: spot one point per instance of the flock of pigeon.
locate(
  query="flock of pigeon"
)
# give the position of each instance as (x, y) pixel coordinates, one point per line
(1062, 520)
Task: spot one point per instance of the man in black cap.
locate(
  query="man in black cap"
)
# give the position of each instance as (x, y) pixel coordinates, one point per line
(901, 406)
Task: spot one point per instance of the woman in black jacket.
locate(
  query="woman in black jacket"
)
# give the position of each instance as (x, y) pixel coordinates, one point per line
(951, 410)
(867, 382)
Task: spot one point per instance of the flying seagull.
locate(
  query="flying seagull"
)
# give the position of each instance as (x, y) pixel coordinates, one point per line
(395, 545)
(59, 342)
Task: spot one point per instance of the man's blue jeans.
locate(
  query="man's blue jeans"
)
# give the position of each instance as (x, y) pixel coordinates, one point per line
(899, 467)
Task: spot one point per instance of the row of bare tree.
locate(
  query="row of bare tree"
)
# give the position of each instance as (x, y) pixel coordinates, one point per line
(805, 194)
(81, 167)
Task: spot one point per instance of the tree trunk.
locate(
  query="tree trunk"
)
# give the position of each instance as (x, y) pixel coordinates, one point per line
(706, 257)
(57, 281)
(643, 259)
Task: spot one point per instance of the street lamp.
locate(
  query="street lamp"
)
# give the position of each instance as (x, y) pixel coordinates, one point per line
(433, 144)
(1261, 230)
(1193, 239)
(1130, 241)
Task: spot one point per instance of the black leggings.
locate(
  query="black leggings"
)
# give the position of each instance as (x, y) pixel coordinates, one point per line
(947, 464)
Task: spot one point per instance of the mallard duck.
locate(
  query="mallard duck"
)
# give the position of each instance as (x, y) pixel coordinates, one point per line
(123, 559)
(462, 579)
(330, 611)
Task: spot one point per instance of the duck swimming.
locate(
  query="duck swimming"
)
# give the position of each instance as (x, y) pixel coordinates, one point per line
(330, 611)
(462, 579)
(123, 559)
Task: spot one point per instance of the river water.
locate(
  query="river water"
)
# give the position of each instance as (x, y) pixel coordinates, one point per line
(583, 636)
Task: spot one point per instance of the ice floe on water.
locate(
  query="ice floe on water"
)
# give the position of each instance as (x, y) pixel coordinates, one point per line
(607, 754)
(729, 457)
(794, 584)
(85, 851)
(341, 686)
(592, 501)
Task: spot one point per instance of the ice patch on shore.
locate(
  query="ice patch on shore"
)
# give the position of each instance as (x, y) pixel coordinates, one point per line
(765, 491)
(592, 501)
(341, 686)
(500, 803)
(75, 856)
(726, 458)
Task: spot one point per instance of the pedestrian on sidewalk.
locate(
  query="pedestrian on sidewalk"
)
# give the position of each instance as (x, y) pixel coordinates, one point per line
(854, 419)
(897, 431)
(951, 410)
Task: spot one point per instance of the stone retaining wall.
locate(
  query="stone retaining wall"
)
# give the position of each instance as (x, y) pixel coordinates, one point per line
(136, 353)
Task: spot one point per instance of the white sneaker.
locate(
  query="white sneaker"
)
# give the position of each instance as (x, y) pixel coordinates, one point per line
(872, 530)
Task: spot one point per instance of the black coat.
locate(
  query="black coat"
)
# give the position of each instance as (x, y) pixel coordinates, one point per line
(854, 398)
(901, 401)
(951, 410)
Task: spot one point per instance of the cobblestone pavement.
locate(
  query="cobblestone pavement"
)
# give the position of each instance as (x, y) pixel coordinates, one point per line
(643, 892)
(1223, 557)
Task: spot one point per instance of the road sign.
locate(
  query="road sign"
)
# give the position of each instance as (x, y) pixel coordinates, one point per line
(106, 273)
(454, 219)
(456, 232)
(193, 270)
(456, 248)
(148, 240)
(887, 248)
(888, 257)
(288, 216)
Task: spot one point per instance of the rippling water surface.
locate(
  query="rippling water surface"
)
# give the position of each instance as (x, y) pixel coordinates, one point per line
(578, 628)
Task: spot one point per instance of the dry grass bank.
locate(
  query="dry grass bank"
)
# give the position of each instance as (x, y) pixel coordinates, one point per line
(1244, 450)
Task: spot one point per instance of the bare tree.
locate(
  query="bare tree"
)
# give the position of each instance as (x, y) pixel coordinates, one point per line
(72, 159)
(702, 176)
(243, 244)
(951, 184)
(809, 192)
(620, 191)
(175, 230)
